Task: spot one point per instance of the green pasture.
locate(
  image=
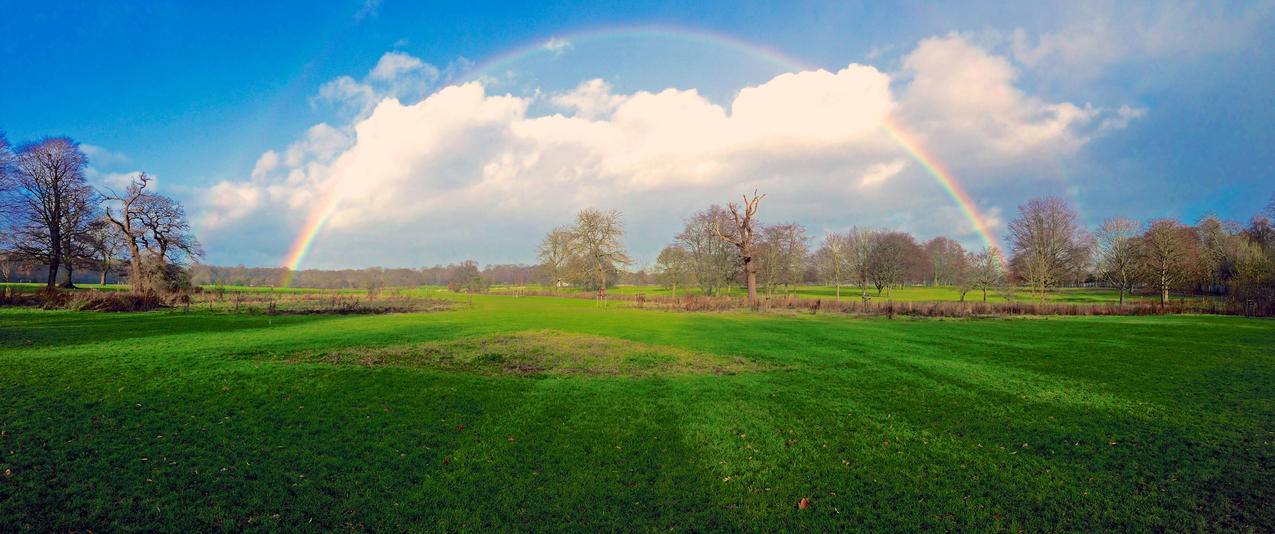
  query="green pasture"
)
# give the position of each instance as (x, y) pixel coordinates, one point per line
(549, 414)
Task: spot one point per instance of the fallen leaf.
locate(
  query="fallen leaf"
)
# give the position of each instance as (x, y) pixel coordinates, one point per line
(8, 472)
(803, 504)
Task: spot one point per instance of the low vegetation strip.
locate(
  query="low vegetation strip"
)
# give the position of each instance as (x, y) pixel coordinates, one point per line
(891, 308)
(539, 353)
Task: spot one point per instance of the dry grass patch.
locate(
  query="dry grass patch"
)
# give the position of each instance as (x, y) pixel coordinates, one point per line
(542, 352)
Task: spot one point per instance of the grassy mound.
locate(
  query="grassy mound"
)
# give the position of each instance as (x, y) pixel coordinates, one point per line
(542, 352)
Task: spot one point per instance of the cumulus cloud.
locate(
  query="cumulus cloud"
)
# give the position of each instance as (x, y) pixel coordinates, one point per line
(396, 75)
(466, 173)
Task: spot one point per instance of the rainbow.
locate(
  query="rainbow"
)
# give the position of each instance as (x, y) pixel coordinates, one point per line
(895, 130)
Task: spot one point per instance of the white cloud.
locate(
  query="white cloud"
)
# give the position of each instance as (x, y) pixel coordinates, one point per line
(557, 45)
(465, 173)
(394, 65)
(880, 172)
(396, 75)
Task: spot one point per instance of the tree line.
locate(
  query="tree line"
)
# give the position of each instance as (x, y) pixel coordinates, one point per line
(52, 218)
(724, 247)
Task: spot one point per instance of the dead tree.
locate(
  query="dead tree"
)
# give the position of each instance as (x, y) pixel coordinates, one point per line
(741, 235)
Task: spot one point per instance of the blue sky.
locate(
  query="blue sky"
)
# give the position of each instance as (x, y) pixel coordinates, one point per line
(1142, 110)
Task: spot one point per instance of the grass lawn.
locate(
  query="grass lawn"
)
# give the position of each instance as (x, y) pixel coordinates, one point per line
(541, 413)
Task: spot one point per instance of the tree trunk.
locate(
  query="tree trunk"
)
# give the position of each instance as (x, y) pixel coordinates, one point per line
(984, 294)
(55, 256)
(838, 291)
(750, 270)
(103, 279)
(70, 277)
(1122, 296)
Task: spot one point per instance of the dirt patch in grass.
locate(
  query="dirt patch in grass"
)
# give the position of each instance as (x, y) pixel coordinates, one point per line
(540, 353)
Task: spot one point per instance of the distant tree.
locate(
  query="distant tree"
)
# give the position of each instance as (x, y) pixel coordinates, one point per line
(1168, 249)
(741, 234)
(714, 262)
(1217, 252)
(782, 251)
(892, 256)
(1119, 254)
(963, 273)
(945, 257)
(554, 254)
(989, 272)
(106, 244)
(1048, 243)
(596, 241)
(466, 278)
(673, 267)
(859, 243)
(47, 177)
(832, 261)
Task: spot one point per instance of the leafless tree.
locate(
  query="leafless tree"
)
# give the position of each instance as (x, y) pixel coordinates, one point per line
(714, 262)
(554, 254)
(596, 240)
(945, 256)
(77, 220)
(782, 252)
(1168, 250)
(832, 261)
(963, 273)
(1048, 243)
(154, 229)
(892, 256)
(673, 267)
(106, 243)
(741, 235)
(1119, 254)
(47, 177)
(1218, 251)
(989, 271)
(859, 258)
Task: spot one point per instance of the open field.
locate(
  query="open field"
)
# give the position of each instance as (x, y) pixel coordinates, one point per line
(541, 413)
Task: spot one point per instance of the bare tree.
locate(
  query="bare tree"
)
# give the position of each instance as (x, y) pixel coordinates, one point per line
(1119, 254)
(1167, 251)
(892, 256)
(782, 252)
(596, 240)
(106, 243)
(154, 229)
(1049, 245)
(989, 270)
(832, 261)
(77, 220)
(47, 178)
(946, 257)
(859, 258)
(554, 254)
(741, 234)
(714, 262)
(673, 267)
(1218, 251)
(963, 272)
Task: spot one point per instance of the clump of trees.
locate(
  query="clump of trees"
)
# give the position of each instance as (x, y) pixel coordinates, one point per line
(52, 218)
(1162, 256)
(589, 253)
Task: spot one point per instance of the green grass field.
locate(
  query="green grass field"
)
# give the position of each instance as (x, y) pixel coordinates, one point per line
(546, 414)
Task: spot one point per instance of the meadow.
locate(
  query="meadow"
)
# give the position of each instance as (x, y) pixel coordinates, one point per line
(534, 413)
